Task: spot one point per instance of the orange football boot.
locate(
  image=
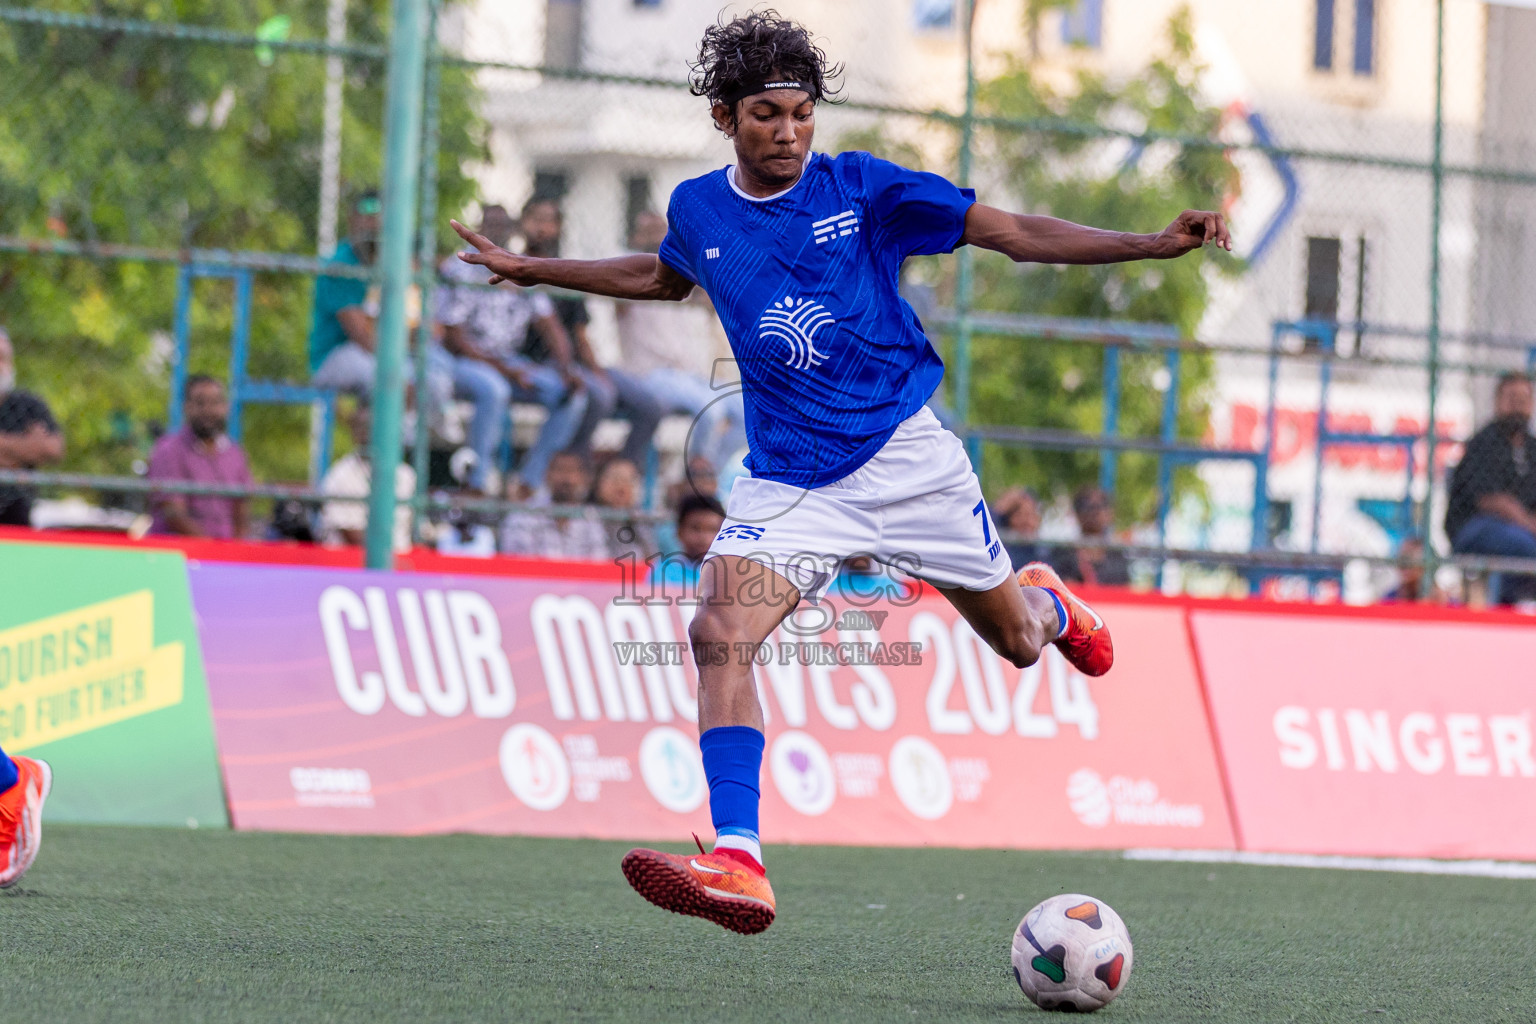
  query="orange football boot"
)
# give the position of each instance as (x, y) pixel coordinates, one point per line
(713, 886)
(21, 818)
(1086, 642)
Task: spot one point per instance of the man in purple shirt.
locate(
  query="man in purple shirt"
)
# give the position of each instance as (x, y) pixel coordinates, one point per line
(200, 452)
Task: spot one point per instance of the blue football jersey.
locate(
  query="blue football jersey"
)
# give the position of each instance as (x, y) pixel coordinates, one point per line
(832, 359)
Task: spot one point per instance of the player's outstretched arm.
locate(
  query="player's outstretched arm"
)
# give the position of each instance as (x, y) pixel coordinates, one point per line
(1026, 238)
(641, 276)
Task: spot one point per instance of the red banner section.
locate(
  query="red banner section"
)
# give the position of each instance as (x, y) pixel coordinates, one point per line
(1383, 737)
(348, 701)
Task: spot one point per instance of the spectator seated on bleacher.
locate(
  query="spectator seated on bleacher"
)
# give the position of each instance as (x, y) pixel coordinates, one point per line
(1492, 506)
(1411, 587)
(529, 531)
(1090, 561)
(352, 478)
(1018, 511)
(344, 321)
(699, 519)
(610, 391)
(487, 332)
(200, 453)
(29, 437)
(617, 489)
(667, 347)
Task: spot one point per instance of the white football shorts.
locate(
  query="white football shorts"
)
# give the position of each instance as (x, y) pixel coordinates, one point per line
(915, 506)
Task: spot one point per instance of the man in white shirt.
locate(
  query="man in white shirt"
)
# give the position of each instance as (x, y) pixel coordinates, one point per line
(533, 532)
(483, 336)
(350, 478)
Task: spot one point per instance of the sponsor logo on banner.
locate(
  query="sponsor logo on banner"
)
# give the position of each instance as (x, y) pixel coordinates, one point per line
(534, 766)
(858, 775)
(452, 640)
(1376, 741)
(589, 769)
(672, 769)
(1125, 801)
(84, 670)
(1375, 736)
(331, 787)
(920, 777)
(802, 773)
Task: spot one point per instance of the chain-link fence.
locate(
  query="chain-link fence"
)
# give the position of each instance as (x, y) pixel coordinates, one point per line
(175, 198)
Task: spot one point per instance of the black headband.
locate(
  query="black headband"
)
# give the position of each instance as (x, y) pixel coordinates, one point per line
(757, 85)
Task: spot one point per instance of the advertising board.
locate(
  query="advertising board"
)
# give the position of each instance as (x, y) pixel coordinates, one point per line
(101, 675)
(349, 701)
(1377, 737)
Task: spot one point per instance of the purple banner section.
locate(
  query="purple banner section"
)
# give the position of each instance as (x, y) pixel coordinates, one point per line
(348, 701)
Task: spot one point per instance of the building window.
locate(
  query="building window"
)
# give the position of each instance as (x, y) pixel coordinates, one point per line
(637, 200)
(1322, 299)
(1322, 37)
(1365, 37)
(1082, 24)
(1323, 279)
(932, 14)
(1361, 43)
(550, 184)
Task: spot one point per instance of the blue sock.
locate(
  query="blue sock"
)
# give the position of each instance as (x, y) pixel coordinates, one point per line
(1061, 614)
(733, 763)
(9, 775)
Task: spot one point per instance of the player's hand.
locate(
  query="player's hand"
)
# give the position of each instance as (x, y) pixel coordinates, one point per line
(503, 265)
(1192, 229)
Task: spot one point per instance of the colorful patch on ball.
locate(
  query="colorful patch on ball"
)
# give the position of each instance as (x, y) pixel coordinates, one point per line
(1052, 968)
(1088, 913)
(1109, 973)
(1051, 962)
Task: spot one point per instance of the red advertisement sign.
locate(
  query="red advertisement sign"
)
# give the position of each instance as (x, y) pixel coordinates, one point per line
(1379, 737)
(348, 701)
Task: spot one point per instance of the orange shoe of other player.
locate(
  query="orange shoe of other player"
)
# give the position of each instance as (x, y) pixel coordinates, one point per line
(1086, 642)
(21, 818)
(714, 886)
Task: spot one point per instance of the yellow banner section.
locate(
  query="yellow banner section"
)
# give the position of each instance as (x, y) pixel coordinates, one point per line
(92, 698)
(84, 669)
(62, 645)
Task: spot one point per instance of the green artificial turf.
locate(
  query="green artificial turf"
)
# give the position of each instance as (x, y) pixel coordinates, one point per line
(127, 925)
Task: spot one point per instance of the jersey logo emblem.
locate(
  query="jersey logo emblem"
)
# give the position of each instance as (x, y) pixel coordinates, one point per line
(741, 531)
(835, 226)
(796, 321)
(712, 254)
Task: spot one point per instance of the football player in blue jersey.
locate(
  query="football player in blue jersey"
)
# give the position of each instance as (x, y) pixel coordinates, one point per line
(800, 253)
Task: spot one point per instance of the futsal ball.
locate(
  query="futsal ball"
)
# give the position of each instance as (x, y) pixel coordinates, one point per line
(1072, 953)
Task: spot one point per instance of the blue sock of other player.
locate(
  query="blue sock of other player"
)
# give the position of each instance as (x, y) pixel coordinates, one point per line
(9, 775)
(733, 763)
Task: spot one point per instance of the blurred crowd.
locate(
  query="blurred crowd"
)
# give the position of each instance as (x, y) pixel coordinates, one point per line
(493, 348)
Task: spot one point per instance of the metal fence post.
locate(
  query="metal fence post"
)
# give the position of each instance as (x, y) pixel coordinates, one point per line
(1437, 179)
(426, 271)
(963, 271)
(402, 147)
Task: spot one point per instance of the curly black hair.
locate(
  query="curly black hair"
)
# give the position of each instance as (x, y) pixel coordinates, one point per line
(758, 46)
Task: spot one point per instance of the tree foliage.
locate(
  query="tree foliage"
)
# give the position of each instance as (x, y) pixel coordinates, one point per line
(130, 138)
(1114, 183)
